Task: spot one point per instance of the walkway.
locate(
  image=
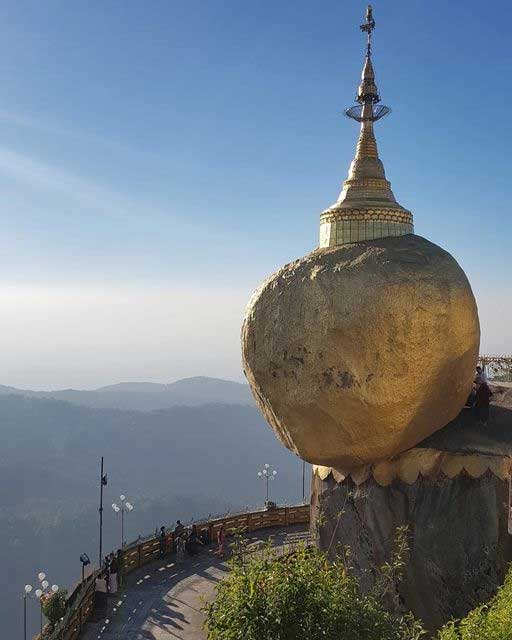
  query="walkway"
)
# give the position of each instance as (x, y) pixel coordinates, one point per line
(163, 600)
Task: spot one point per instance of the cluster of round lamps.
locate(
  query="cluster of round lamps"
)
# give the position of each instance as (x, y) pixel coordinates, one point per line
(44, 589)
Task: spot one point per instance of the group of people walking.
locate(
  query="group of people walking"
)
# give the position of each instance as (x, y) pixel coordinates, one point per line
(187, 541)
(184, 541)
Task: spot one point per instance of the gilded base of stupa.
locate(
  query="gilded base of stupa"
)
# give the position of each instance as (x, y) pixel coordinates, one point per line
(452, 491)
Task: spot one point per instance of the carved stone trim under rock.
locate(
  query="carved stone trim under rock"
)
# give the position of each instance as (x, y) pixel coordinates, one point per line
(431, 463)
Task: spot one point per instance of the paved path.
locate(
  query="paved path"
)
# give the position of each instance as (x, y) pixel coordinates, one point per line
(163, 600)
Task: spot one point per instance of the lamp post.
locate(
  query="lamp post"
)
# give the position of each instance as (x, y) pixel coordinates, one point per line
(26, 594)
(85, 560)
(267, 474)
(103, 483)
(124, 507)
(42, 592)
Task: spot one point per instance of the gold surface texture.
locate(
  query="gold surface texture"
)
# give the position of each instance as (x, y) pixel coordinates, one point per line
(359, 352)
(428, 463)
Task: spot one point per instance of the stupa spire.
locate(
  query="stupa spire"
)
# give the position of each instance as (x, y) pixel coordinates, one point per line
(366, 208)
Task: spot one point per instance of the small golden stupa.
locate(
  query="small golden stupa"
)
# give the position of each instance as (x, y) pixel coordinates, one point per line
(367, 345)
(366, 208)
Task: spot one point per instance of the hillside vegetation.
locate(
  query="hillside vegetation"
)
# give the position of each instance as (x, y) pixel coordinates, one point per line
(174, 463)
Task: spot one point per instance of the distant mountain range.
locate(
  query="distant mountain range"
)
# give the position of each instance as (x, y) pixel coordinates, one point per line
(173, 462)
(149, 396)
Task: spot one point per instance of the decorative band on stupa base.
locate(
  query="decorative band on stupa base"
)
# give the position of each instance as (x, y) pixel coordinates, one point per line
(339, 227)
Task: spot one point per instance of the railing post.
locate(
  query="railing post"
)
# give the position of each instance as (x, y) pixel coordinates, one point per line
(286, 516)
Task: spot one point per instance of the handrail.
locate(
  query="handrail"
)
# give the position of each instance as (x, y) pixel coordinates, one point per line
(80, 603)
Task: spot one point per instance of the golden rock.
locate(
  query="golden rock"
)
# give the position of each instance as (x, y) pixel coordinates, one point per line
(359, 352)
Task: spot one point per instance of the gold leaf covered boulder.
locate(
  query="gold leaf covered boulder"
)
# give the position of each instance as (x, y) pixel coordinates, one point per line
(359, 352)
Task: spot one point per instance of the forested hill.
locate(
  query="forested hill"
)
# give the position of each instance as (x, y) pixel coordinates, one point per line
(148, 396)
(173, 463)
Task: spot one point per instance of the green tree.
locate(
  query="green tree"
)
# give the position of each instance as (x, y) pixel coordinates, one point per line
(301, 596)
(54, 607)
(489, 621)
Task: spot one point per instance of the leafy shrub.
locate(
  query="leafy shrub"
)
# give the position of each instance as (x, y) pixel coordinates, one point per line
(489, 621)
(54, 607)
(302, 596)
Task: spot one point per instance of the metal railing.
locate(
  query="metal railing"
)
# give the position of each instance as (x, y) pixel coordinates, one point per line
(499, 368)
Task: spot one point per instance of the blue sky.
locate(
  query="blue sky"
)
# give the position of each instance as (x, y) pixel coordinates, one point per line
(159, 159)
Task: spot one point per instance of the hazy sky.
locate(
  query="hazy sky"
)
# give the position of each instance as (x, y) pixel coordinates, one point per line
(159, 159)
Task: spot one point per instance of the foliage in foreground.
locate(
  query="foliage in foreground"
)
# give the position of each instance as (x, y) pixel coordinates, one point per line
(301, 596)
(489, 621)
(54, 607)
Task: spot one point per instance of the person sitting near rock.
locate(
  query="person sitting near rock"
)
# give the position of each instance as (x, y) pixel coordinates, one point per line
(482, 402)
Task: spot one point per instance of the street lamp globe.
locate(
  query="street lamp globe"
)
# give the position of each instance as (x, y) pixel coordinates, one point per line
(45, 584)
(39, 593)
(129, 506)
(122, 497)
(259, 474)
(28, 588)
(274, 473)
(267, 465)
(55, 588)
(41, 576)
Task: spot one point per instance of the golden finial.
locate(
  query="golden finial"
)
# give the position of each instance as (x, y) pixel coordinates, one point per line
(368, 27)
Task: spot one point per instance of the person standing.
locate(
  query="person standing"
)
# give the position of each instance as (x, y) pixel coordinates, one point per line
(193, 541)
(161, 543)
(482, 402)
(181, 544)
(221, 539)
(112, 575)
(480, 377)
